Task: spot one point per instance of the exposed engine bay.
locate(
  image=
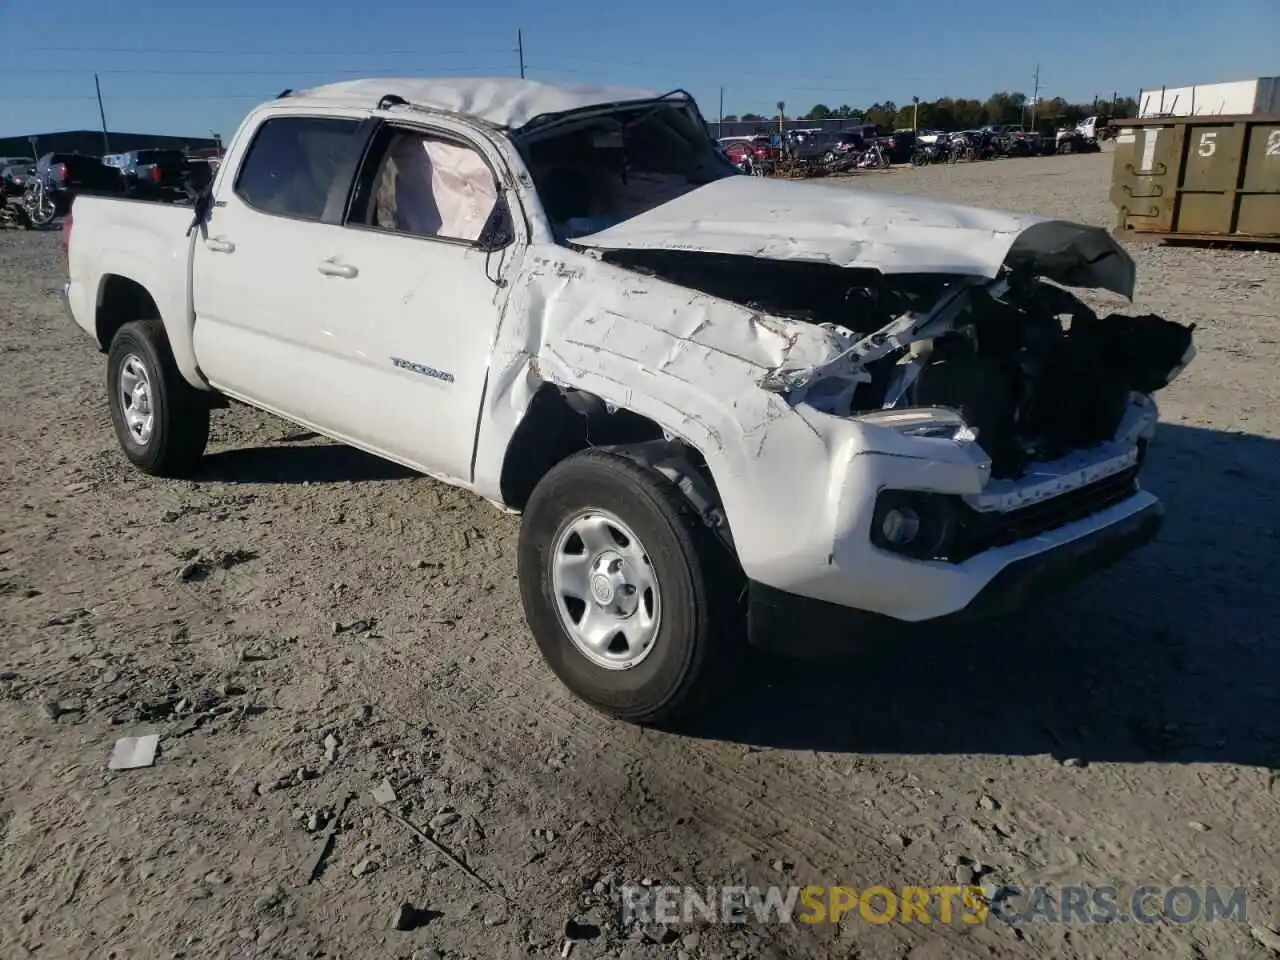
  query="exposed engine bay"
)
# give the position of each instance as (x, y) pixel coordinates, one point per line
(1031, 369)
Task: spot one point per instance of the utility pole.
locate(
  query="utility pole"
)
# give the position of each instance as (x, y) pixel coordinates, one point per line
(915, 114)
(720, 125)
(106, 142)
(1035, 97)
(520, 50)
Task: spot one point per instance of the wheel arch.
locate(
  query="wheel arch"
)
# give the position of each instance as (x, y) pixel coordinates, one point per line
(129, 283)
(561, 422)
(120, 300)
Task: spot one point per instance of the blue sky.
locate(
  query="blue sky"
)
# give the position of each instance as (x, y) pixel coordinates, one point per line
(187, 68)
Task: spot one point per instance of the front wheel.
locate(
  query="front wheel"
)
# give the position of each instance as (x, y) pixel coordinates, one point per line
(631, 598)
(161, 421)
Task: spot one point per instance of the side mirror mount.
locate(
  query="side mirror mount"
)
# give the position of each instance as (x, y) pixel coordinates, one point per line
(498, 231)
(201, 206)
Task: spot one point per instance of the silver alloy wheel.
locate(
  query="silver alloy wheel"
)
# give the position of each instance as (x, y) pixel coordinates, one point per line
(134, 386)
(606, 590)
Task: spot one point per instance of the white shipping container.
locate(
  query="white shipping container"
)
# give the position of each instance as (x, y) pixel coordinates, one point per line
(1234, 97)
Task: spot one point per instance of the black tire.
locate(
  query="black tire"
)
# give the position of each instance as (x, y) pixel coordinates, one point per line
(180, 430)
(701, 634)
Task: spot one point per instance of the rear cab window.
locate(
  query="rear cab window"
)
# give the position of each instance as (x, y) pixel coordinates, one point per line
(293, 162)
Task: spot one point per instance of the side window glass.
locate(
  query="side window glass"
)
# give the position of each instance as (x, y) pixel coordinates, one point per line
(292, 164)
(427, 186)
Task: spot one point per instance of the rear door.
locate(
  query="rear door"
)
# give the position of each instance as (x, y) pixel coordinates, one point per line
(262, 305)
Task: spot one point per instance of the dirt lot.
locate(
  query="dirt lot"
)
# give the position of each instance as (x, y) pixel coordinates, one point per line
(298, 591)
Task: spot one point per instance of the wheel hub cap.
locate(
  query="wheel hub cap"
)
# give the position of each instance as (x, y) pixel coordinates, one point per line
(606, 590)
(134, 386)
(601, 589)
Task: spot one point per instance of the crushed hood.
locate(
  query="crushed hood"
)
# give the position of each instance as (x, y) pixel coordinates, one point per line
(847, 227)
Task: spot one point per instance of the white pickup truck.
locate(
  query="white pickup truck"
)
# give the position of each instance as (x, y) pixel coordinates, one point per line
(709, 395)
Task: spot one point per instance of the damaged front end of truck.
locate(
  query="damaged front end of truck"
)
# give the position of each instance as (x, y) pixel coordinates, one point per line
(868, 380)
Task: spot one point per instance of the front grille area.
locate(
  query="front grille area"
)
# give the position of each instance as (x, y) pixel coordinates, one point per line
(977, 531)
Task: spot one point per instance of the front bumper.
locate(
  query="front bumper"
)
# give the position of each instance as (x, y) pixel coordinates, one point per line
(1047, 573)
(800, 626)
(828, 552)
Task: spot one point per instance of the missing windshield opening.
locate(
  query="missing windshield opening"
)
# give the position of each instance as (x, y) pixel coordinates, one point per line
(604, 168)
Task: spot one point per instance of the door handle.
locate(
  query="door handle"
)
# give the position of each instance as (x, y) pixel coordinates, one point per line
(219, 245)
(331, 269)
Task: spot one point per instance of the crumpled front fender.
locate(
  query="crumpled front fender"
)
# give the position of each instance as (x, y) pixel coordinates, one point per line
(692, 364)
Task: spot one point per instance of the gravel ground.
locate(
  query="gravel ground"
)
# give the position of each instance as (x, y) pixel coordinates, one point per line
(302, 622)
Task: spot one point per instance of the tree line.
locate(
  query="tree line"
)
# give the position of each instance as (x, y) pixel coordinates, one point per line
(950, 113)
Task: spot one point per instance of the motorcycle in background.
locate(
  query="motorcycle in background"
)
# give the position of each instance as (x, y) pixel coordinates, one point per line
(38, 202)
(875, 157)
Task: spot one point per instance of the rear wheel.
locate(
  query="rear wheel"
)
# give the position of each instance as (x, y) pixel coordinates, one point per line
(161, 421)
(631, 598)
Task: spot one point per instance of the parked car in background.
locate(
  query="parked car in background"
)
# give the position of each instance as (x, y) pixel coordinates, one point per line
(153, 171)
(899, 145)
(1095, 128)
(15, 172)
(850, 141)
(740, 152)
(1073, 140)
(199, 173)
(811, 144)
(6, 162)
(754, 152)
(77, 171)
(210, 155)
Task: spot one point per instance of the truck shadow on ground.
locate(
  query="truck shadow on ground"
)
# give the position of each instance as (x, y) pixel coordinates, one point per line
(293, 463)
(1173, 655)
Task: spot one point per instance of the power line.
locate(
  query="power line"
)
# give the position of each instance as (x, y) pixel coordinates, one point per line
(841, 88)
(846, 91)
(183, 72)
(496, 54)
(149, 98)
(242, 52)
